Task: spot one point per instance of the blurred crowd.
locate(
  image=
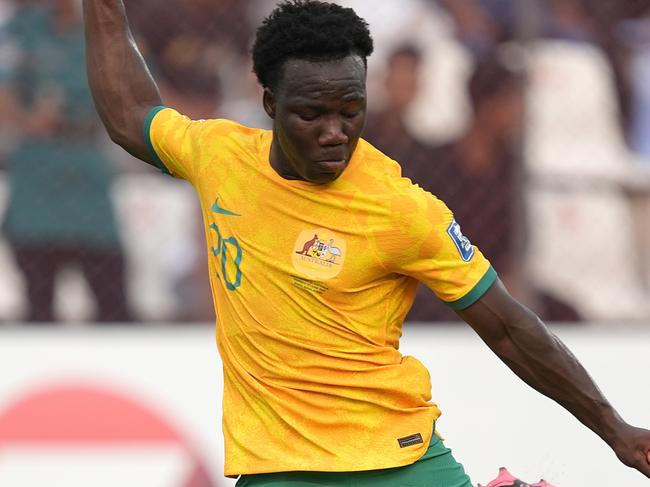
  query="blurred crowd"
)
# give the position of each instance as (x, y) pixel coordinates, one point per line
(529, 118)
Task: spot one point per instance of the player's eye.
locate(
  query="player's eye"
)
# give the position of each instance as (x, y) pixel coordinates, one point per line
(308, 116)
(352, 114)
(352, 110)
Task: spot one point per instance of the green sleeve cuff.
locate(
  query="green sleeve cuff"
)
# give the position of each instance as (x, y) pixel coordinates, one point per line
(477, 292)
(147, 137)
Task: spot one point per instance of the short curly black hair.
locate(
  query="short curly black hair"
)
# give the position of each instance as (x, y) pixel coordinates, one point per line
(309, 30)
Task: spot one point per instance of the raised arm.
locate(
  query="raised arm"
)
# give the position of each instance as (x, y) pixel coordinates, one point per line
(537, 356)
(122, 86)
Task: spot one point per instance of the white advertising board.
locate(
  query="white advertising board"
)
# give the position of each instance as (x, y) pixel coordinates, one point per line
(140, 407)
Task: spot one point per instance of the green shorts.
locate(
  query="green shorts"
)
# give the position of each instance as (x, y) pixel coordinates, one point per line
(436, 468)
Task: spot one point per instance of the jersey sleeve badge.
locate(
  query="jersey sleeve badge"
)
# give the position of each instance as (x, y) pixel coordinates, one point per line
(462, 243)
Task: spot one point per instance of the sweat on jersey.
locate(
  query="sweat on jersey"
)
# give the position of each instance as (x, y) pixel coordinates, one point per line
(311, 284)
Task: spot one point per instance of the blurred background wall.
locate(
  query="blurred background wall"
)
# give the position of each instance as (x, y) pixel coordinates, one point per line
(105, 407)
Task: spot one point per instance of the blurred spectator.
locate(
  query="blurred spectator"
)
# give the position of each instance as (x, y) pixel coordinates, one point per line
(479, 176)
(581, 176)
(570, 20)
(476, 28)
(474, 175)
(441, 110)
(387, 129)
(481, 25)
(193, 45)
(60, 213)
(594, 23)
(635, 37)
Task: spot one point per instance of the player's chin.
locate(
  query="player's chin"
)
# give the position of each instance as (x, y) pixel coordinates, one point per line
(323, 178)
(325, 173)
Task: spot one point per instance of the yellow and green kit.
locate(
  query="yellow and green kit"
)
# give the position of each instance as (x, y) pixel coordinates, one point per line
(311, 284)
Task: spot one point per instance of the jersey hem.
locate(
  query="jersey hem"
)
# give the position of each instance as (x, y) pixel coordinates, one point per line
(477, 291)
(147, 137)
(273, 469)
(407, 459)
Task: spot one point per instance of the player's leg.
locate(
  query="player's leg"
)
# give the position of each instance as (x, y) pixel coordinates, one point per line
(436, 468)
(104, 269)
(39, 267)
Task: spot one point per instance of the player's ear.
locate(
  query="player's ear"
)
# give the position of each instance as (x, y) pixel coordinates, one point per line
(269, 102)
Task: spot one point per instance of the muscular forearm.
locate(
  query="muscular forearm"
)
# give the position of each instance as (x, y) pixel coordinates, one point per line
(122, 87)
(544, 362)
(538, 357)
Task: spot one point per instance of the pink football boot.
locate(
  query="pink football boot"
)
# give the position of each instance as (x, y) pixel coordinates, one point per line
(506, 479)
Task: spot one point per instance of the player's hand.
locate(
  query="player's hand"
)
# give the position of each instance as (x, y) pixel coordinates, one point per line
(632, 447)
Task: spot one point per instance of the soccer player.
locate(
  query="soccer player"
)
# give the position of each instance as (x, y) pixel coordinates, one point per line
(315, 246)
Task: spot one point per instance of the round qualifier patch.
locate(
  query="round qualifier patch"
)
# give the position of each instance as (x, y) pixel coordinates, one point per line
(319, 254)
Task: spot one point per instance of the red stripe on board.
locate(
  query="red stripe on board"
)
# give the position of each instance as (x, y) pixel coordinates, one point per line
(82, 414)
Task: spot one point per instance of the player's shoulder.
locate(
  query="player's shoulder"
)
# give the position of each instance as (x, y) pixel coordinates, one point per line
(206, 136)
(383, 180)
(215, 126)
(377, 164)
(387, 173)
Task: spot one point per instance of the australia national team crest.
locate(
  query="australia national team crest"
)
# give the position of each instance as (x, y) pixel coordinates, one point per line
(319, 254)
(464, 246)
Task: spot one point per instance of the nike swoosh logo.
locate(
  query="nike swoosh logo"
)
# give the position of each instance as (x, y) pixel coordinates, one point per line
(222, 211)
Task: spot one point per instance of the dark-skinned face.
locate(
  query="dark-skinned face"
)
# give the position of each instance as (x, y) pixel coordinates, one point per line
(318, 112)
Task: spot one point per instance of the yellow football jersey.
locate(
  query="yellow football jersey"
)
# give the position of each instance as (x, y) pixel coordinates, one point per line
(311, 284)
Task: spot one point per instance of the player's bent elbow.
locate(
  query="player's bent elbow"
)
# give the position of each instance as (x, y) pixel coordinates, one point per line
(125, 127)
(129, 136)
(129, 143)
(119, 137)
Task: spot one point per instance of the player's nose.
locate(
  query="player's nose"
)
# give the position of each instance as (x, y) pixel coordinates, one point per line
(332, 132)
